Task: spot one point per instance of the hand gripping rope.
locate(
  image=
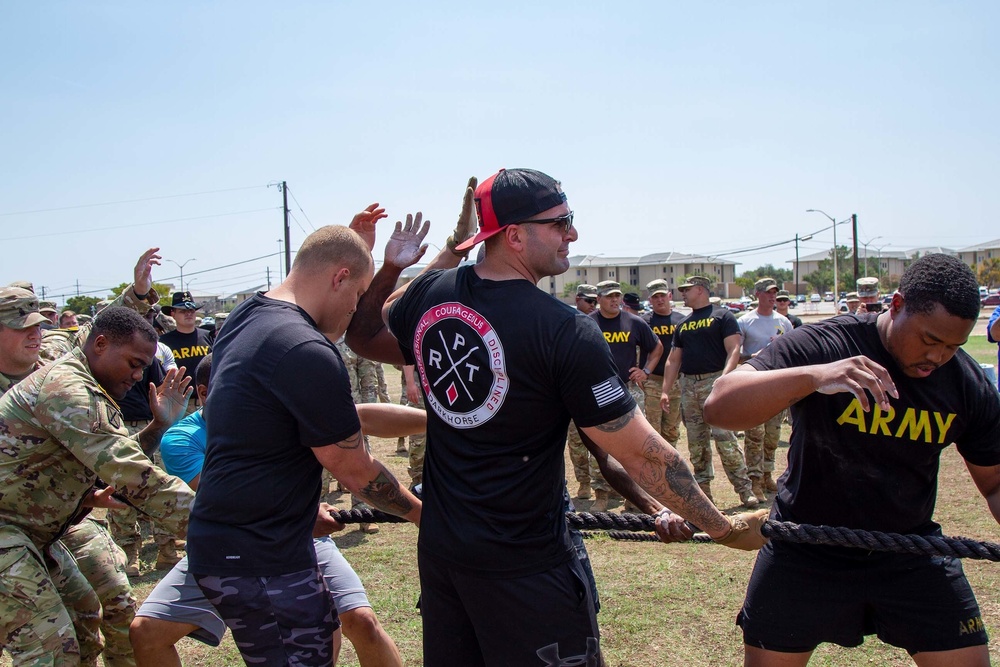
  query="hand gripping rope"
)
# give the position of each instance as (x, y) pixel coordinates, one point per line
(637, 527)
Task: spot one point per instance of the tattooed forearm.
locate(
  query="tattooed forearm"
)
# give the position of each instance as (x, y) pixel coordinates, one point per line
(384, 493)
(617, 424)
(352, 442)
(664, 474)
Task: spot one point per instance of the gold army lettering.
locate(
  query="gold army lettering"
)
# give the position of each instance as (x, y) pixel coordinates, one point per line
(913, 425)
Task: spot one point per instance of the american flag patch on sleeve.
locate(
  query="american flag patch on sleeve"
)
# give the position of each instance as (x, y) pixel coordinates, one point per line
(608, 392)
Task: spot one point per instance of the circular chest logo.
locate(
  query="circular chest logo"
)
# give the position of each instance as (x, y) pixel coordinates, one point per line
(461, 364)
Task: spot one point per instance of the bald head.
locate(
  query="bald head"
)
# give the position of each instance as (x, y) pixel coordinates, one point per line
(333, 246)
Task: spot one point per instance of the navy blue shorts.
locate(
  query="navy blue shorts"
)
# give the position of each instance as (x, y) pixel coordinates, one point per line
(798, 599)
(279, 620)
(538, 619)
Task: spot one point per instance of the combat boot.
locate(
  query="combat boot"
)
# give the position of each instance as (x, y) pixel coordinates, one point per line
(167, 556)
(706, 488)
(584, 492)
(131, 559)
(629, 508)
(401, 446)
(748, 499)
(601, 502)
(769, 484)
(757, 488)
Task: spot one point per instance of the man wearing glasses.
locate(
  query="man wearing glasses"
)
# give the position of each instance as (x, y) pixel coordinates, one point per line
(504, 367)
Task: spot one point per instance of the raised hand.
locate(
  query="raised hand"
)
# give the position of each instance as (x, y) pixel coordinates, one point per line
(406, 245)
(168, 402)
(467, 219)
(142, 276)
(855, 375)
(364, 223)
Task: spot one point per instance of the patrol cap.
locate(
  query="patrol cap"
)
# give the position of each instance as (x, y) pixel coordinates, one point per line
(783, 295)
(83, 318)
(632, 301)
(697, 281)
(101, 305)
(658, 286)
(608, 287)
(19, 308)
(220, 316)
(765, 285)
(852, 296)
(714, 300)
(586, 291)
(47, 307)
(23, 284)
(867, 286)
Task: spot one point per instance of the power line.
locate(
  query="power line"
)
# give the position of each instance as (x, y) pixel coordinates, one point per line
(138, 224)
(303, 212)
(130, 201)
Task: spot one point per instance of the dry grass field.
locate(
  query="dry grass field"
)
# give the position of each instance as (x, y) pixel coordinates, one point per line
(662, 604)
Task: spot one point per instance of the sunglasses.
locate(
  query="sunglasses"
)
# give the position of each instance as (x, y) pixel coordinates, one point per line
(564, 221)
(592, 302)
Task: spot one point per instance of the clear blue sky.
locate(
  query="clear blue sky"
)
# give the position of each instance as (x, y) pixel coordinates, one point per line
(694, 127)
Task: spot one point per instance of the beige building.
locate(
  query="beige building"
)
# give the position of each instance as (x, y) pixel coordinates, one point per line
(890, 263)
(638, 270)
(975, 254)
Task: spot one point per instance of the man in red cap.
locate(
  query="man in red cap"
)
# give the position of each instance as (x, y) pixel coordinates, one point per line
(504, 367)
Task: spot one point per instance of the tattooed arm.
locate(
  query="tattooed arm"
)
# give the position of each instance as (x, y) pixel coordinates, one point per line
(368, 478)
(658, 469)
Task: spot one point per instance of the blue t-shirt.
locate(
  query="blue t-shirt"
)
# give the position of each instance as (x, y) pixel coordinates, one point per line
(993, 318)
(183, 447)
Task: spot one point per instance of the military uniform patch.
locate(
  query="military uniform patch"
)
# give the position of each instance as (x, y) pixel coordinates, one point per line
(114, 415)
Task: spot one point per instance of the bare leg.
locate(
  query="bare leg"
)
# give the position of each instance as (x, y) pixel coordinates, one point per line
(972, 656)
(758, 657)
(153, 641)
(374, 647)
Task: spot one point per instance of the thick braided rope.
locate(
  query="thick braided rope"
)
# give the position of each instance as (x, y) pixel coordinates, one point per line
(636, 527)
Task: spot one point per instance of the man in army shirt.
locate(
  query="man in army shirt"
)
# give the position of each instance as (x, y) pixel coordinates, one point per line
(60, 430)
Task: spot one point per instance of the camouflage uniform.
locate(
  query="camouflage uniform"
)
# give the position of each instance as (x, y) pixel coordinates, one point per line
(383, 388)
(667, 423)
(597, 481)
(102, 563)
(761, 443)
(418, 443)
(694, 392)
(59, 432)
(579, 455)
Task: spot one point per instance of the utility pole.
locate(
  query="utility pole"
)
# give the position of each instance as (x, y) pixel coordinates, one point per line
(288, 248)
(78, 287)
(269, 279)
(279, 257)
(854, 223)
(43, 292)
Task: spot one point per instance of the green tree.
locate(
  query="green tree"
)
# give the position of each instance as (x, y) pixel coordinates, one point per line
(569, 289)
(746, 283)
(161, 289)
(768, 271)
(82, 304)
(989, 272)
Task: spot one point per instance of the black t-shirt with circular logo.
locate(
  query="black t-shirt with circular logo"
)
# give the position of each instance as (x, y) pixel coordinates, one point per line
(503, 367)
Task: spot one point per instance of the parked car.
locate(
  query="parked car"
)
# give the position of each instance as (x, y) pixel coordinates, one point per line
(815, 298)
(736, 306)
(828, 296)
(801, 298)
(992, 300)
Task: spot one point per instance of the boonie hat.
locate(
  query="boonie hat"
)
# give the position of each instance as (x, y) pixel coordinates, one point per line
(19, 308)
(697, 281)
(765, 285)
(182, 300)
(586, 291)
(608, 287)
(658, 286)
(511, 196)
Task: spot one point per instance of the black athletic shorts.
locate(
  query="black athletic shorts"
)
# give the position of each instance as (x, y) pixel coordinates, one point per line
(798, 599)
(539, 619)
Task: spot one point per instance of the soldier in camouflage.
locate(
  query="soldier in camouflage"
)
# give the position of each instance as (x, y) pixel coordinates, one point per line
(59, 431)
(414, 398)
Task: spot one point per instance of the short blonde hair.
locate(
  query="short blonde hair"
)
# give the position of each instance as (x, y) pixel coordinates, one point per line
(333, 245)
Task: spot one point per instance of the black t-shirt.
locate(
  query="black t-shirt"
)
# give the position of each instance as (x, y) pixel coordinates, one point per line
(503, 367)
(663, 326)
(189, 349)
(875, 470)
(279, 388)
(702, 337)
(135, 405)
(627, 335)
(794, 319)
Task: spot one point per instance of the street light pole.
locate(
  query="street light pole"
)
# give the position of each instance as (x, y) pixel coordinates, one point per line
(879, 248)
(797, 239)
(181, 266)
(865, 245)
(836, 281)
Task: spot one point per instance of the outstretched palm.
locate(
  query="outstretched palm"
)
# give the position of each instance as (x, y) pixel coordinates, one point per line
(406, 245)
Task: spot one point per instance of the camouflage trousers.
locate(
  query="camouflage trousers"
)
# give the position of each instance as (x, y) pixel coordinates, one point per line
(694, 392)
(49, 613)
(666, 423)
(597, 482)
(760, 444)
(418, 443)
(102, 563)
(383, 388)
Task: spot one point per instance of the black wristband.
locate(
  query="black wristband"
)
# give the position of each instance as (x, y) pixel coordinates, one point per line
(142, 297)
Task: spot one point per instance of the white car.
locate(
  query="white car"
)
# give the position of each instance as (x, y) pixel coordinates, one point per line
(815, 298)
